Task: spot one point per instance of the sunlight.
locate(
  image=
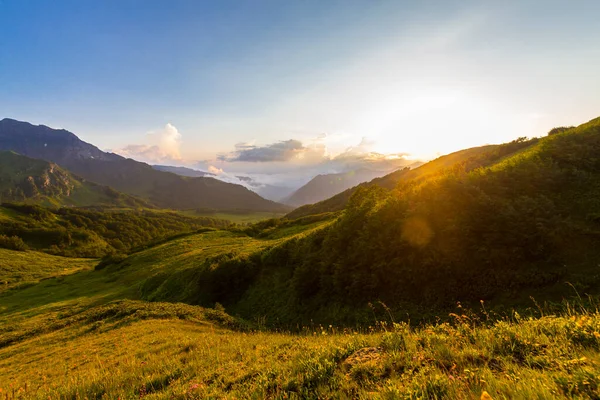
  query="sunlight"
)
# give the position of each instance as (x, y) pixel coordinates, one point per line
(433, 123)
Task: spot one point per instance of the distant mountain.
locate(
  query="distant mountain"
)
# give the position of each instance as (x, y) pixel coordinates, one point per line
(477, 156)
(183, 171)
(28, 180)
(162, 189)
(322, 187)
(271, 192)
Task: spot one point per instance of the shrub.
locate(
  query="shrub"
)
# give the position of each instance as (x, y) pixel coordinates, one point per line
(559, 129)
(12, 243)
(110, 259)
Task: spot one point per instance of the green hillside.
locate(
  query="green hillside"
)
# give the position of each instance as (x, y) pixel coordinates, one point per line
(24, 179)
(27, 267)
(90, 233)
(520, 226)
(473, 158)
(88, 335)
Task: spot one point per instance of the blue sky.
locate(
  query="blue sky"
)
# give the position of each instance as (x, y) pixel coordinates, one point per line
(182, 81)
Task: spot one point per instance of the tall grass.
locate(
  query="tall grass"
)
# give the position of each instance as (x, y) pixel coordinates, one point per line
(155, 350)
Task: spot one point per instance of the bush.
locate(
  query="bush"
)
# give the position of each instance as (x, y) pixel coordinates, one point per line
(12, 243)
(560, 129)
(110, 259)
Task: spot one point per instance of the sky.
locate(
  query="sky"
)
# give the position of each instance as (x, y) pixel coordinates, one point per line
(278, 87)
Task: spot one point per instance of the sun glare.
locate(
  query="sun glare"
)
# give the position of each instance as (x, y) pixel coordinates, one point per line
(432, 123)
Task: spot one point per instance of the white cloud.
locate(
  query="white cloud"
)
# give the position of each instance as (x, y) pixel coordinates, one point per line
(161, 146)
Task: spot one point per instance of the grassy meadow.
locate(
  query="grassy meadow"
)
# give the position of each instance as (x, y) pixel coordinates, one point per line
(131, 350)
(90, 335)
(27, 267)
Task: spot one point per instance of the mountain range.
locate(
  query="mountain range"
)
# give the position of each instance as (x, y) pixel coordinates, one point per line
(160, 188)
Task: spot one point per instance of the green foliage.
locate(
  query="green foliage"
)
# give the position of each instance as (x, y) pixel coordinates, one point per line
(559, 129)
(87, 233)
(110, 259)
(522, 224)
(12, 243)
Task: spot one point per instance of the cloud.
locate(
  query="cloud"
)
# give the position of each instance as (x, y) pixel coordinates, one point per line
(162, 145)
(281, 151)
(214, 170)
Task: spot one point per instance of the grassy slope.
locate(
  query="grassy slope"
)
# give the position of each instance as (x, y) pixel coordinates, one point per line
(339, 201)
(27, 267)
(85, 335)
(235, 217)
(79, 232)
(170, 264)
(157, 351)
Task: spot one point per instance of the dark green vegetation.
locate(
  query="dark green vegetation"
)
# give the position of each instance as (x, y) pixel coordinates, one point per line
(339, 201)
(88, 233)
(162, 189)
(87, 334)
(513, 221)
(24, 179)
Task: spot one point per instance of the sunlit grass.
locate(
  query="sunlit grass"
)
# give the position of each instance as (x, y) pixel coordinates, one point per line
(89, 335)
(238, 218)
(26, 267)
(171, 351)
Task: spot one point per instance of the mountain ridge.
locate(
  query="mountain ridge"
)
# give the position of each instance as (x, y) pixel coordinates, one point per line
(324, 186)
(164, 189)
(24, 179)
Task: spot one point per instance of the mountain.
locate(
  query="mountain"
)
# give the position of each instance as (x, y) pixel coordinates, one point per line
(183, 171)
(511, 222)
(163, 189)
(339, 201)
(24, 179)
(271, 192)
(322, 187)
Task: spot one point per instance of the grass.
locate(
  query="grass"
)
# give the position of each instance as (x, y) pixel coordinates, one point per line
(170, 263)
(89, 334)
(154, 350)
(28, 267)
(238, 218)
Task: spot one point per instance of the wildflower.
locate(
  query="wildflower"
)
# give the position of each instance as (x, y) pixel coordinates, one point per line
(486, 396)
